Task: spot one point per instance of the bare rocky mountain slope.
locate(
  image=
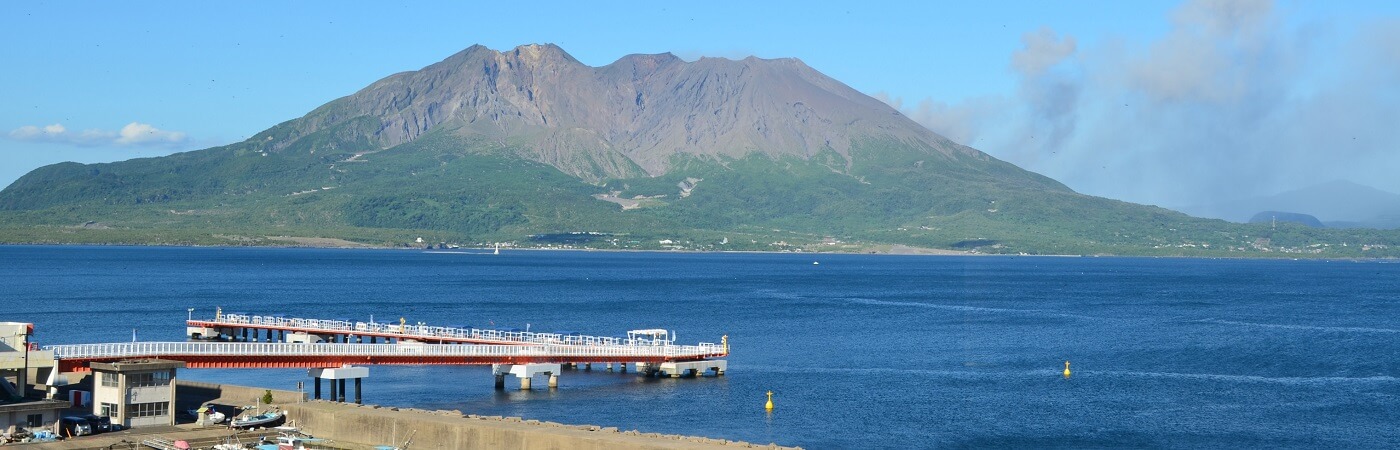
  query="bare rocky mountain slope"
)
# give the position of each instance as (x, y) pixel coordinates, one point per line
(626, 119)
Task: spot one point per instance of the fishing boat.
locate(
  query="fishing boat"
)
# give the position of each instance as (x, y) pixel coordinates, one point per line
(289, 438)
(267, 419)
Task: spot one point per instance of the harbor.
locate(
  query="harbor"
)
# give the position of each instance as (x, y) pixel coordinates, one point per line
(368, 427)
(135, 390)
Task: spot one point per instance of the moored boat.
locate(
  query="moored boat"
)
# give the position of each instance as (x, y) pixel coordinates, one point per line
(264, 420)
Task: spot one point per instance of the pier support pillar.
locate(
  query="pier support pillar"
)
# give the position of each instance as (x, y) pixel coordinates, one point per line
(587, 367)
(524, 372)
(337, 377)
(500, 381)
(609, 367)
(553, 381)
(677, 369)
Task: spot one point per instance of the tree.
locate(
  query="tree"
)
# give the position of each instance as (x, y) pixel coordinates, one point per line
(267, 397)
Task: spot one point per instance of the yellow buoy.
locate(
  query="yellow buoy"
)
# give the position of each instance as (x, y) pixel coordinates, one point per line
(769, 406)
(1066, 369)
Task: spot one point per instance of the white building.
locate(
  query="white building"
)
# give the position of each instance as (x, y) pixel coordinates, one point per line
(19, 365)
(135, 393)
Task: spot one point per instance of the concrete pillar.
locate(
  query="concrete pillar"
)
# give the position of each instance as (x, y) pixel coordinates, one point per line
(500, 381)
(609, 367)
(357, 392)
(587, 366)
(622, 367)
(269, 335)
(524, 383)
(553, 381)
(318, 387)
(342, 390)
(372, 339)
(245, 335)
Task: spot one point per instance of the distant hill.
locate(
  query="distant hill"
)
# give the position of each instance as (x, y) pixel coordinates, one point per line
(1336, 203)
(1274, 217)
(530, 147)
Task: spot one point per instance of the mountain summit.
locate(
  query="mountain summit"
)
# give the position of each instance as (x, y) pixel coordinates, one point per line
(626, 119)
(530, 146)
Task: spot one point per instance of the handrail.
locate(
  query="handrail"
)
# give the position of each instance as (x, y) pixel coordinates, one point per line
(422, 331)
(156, 349)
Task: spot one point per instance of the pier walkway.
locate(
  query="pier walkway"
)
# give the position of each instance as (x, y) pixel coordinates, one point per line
(75, 358)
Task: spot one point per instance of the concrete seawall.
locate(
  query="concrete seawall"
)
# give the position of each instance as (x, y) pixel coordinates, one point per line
(451, 430)
(192, 394)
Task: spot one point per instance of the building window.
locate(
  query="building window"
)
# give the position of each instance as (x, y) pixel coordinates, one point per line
(108, 409)
(148, 379)
(34, 421)
(109, 379)
(148, 409)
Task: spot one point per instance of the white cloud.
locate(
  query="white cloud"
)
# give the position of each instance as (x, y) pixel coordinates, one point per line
(134, 134)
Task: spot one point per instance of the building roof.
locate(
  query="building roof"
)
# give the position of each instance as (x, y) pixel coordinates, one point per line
(137, 365)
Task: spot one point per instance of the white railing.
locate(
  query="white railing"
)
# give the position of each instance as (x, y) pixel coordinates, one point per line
(421, 331)
(252, 349)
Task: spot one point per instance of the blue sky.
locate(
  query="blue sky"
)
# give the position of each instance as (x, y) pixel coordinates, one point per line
(1028, 81)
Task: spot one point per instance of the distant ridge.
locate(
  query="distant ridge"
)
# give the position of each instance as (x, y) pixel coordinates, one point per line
(1341, 203)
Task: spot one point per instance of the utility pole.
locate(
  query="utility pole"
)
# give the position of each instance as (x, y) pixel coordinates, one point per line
(24, 374)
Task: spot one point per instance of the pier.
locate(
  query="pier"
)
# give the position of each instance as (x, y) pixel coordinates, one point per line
(338, 349)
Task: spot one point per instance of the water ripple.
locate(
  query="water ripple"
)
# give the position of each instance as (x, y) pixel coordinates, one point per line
(1302, 327)
(1378, 379)
(1038, 312)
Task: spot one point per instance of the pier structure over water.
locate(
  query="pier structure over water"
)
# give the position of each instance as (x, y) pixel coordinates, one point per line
(337, 350)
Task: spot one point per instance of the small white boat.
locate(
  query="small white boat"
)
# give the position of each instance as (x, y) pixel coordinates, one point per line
(208, 414)
(264, 420)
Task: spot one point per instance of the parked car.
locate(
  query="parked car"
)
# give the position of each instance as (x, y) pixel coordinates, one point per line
(73, 426)
(99, 424)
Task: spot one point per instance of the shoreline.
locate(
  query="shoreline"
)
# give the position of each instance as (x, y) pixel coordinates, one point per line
(913, 251)
(350, 426)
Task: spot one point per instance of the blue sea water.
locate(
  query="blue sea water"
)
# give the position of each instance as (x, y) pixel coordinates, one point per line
(861, 351)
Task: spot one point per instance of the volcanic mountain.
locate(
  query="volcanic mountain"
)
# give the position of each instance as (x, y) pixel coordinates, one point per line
(501, 146)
